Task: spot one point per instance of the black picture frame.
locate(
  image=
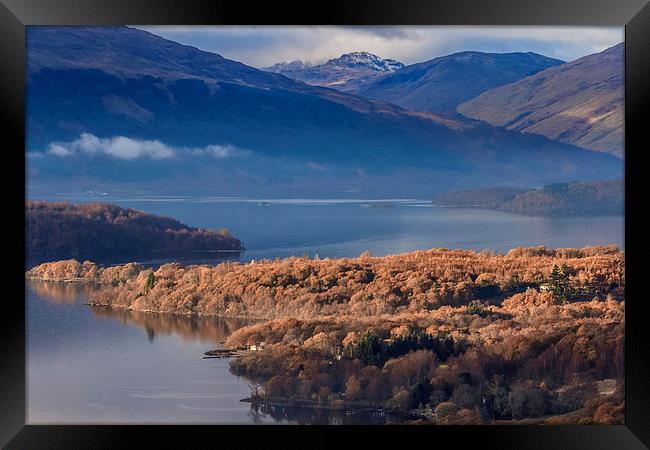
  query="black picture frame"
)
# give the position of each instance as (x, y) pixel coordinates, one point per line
(633, 14)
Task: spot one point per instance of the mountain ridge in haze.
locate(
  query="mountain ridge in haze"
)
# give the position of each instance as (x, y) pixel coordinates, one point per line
(119, 86)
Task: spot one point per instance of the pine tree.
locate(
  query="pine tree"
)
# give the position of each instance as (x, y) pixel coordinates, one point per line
(560, 285)
(149, 284)
(566, 284)
(555, 284)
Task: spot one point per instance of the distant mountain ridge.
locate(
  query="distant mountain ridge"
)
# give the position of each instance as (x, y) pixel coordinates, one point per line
(286, 67)
(118, 86)
(580, 103)
(130, 53)
(599, 197)
(355, 67)
(366, 60)
(441, 84)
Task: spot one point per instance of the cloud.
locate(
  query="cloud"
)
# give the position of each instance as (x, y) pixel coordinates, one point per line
(221, 151)
(34, 155)
(261, 46)
(119, 146)
(126, 148)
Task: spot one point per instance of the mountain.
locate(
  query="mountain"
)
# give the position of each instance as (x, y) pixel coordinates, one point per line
(580, 103)
(345, 73)
(599, 197)
(293, 69)
(122, 110)
(441, 84)
(99, 231)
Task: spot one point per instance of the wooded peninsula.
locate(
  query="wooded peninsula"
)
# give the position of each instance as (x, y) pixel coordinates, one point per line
(102, 231)
(578, 198)
(442, 336)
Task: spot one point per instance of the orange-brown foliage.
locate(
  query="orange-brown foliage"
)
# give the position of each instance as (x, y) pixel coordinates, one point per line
(518, 354)
(307, 288)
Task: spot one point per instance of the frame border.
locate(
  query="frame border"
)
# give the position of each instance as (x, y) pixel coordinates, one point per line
(633, 14)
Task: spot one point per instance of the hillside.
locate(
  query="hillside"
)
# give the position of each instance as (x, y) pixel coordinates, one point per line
(346, 73)
(600, 197)
(98, 231)
(441, 84)
(580, 103)
(442, 336)
(118, 108)
(363, 286)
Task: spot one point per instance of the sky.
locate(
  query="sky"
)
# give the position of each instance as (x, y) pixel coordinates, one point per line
(260, 46)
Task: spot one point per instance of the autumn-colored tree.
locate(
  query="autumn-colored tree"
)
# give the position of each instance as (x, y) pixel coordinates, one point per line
(353, 388)
(405, 331)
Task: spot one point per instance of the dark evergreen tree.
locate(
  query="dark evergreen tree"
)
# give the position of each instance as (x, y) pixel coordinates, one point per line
(150, 282)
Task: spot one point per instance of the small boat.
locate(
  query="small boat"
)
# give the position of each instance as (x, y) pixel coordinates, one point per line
(263, 204)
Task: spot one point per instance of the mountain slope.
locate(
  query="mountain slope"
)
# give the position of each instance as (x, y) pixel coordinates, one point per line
(441, 84)
(115, 107)
(347, 72)
(129, 53)
(580, 103)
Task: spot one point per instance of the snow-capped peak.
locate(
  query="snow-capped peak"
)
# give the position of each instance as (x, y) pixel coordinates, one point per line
(283, 66)
(359, 60)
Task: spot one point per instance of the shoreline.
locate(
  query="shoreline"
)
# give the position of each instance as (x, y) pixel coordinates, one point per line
(189, 315)
(418, 281)
(533, 213)
(344, 330)
(346, 409)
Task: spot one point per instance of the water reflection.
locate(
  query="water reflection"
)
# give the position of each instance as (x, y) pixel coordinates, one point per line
(125, 375)
(337, 229)
(206, 329)
(63, 293)
(261, 413)
(99, 365)
(89, 365)
(188, 328)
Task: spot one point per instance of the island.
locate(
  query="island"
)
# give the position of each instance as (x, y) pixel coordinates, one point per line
(106, 232)
(440, 336)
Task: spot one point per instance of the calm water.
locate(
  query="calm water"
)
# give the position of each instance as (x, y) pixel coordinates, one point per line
(342, 228)
(96, 365)
(89, 365)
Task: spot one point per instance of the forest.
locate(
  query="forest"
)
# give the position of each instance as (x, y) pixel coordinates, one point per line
(578, 198)
(440, 336)
(102, 232)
